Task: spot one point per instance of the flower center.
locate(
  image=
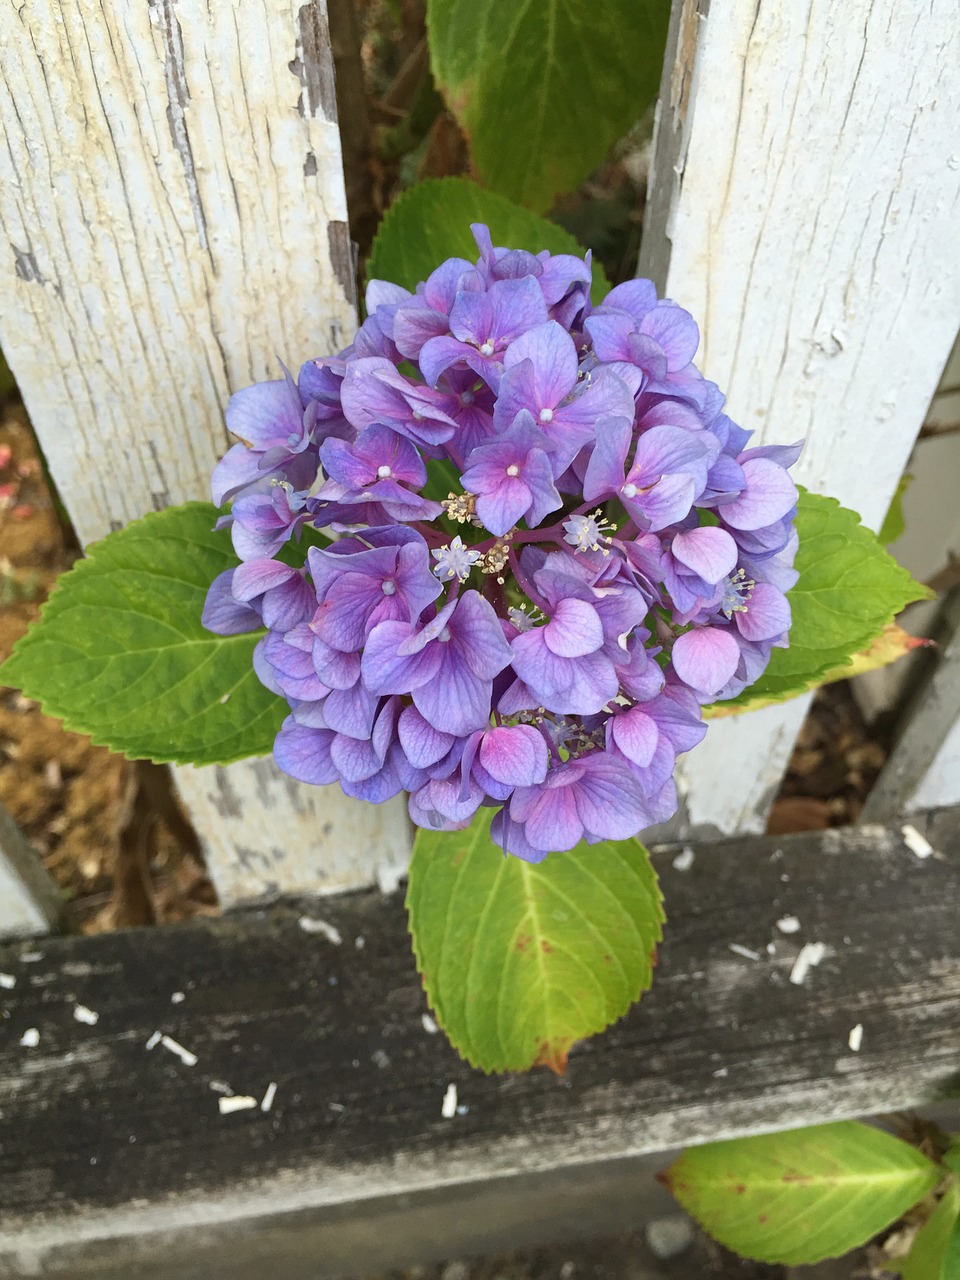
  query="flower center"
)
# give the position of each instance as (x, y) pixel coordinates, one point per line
(737, 590)
(486, 348)
(513, 469)
(546, 415)
(383, 472)
(629, 490)
(466, 398)
(444, 635)
(389, 587)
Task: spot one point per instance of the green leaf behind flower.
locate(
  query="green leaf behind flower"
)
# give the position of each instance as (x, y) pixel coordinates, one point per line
(801, 1196)
(519, 961)
(120, 654)
(543, 90)
(849, 589)
(431, 222)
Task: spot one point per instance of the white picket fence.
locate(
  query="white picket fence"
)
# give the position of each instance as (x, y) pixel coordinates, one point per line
(173, 201)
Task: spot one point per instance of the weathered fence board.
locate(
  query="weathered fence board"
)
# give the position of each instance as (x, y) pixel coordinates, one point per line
(174, 209)
(29, 901)
(115, 1158)
(924, 767)
(805, 206)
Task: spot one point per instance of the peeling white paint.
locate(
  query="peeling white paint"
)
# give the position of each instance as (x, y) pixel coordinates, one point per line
(448, 1108)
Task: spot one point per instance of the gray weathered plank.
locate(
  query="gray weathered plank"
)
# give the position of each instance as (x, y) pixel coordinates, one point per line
(29, 901)
(923, 770)
(114, 1159)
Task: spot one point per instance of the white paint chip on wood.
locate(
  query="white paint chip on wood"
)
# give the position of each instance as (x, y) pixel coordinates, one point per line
(684, 859)
(7, 981)
(268, 1097)
(811, 953)
(855, 1038)
(788, 924)
(917, 843)
(804, 208)
(82, 1014)
(448, 1108)
(429, 1025)
(198, 232)
(237, 1102)
(186, 1057)
(153, 1041)
(746, 952)
(30, 1038)
(309, 925)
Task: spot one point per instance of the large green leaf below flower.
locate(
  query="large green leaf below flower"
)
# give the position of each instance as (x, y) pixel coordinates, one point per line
(120, 653)
(431, 222)
(519, 961)
(543, 88)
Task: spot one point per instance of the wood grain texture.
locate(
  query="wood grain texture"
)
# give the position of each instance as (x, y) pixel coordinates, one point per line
(806, 209)
(111, 1152)
(923, 769)
(174, 219)
(29, 901)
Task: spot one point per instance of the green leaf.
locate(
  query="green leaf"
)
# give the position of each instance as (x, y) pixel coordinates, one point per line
(804, 1195)
(120, 654)
(893, 522)
(520, 961)
(930, 1254)
(951, 1157)
(543, 90)
(849, 589)
(431, 222)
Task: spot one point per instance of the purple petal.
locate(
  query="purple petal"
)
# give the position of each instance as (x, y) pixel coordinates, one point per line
(478, 638)
(574, 630)
(710, 552)
(515, 755)
(769, 495)
(609, 799)
(454, 700)
(510, 837)
(255, 577)
(604, 474)
(666, 503)
(675, 330)
(636, 297)
(553, 354)
(440, 354)
(636, 734)
(423, 745)
(238, 467)
(223, 614)
(387, 671)
(706, 658)
(305, 753)
(268, 413)
(767, 614)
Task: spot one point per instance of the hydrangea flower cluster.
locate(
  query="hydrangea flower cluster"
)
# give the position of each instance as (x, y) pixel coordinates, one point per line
(545, 546)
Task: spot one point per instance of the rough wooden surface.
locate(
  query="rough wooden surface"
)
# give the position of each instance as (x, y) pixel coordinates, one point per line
(174, 214)
(29, 901)
(923, 769)
(805, 207)
(115, 1159)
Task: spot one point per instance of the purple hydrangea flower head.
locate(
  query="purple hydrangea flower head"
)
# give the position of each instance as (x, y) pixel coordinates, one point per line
(501, 550)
